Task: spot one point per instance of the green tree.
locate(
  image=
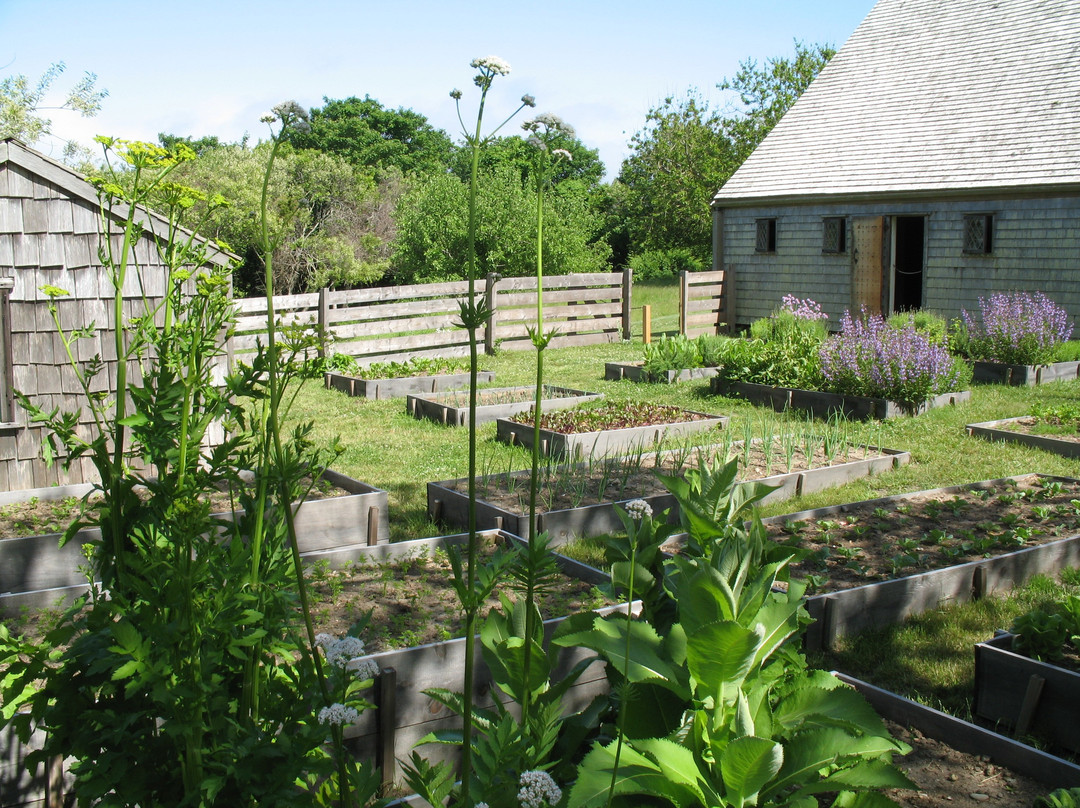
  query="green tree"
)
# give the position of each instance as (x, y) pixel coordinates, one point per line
(513, 151)
(21, 105)
(688, 149)
(367, 134)
(198, 145)
(432, 229)
(330, 222)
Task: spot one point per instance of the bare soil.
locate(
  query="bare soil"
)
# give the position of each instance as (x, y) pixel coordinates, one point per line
(619, 479)
(867, 542)
(944, 776)
(414, 602)
(1048, 427)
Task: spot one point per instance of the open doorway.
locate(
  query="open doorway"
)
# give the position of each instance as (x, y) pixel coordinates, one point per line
(909, 260)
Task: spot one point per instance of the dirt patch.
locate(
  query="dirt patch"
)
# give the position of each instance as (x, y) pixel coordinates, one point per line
(37, 517)
(615, 479)
(872, 542)
(1049, 427)
(414, 602)
(944, 776)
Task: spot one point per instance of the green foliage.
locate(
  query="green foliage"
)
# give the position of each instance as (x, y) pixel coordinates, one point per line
(330, 224)
(433, 233)
(21, 103)
(745, 722)
(687, 150)
(370, 136)
(1059, 798)
(671, 353)
(514, 152)
(193, 656)
(1043, 633)
(652, 264)
(928, 323)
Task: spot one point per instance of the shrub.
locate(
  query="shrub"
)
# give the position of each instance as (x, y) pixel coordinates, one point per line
(795, 319)
(872, 358)
(1017, 328)
(671, 353)
(664, 263)
(928, 323)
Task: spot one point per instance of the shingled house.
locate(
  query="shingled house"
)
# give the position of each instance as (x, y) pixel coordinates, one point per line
(934, 160)
(49, 234)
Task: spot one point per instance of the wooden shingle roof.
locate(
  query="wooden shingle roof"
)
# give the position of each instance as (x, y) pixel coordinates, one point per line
(942, 97)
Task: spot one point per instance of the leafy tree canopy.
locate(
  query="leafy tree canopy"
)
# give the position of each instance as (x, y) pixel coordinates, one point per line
(688, 149)
(515, 153)
(365, 133)
(433, 229)
(198, 145)
(21, 103)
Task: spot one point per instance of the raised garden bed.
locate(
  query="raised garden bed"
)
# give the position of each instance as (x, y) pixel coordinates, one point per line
(579, 499)
(635, 372)
(493, 403)
(36, 572)
(1019, 430)
(398, 388)
(617, 434)
(405, 714)
(1026, 696)
(822, 405)
(879, 561)
(1024, 375)
(970, 738)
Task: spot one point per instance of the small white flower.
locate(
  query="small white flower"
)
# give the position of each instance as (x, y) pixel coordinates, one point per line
(340, 652)
(536, 142)
(563, 153)
(338, 715)
(638, 509)
(366, 668)
(481, 805)
(538, 790)
(492, 64)
(528, 100)
(455, 94)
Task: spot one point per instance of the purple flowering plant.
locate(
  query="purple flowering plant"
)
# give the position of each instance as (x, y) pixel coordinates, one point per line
(1018, 328)
(871, 357)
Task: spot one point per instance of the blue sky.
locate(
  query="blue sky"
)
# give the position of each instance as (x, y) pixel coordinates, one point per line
(214, 68)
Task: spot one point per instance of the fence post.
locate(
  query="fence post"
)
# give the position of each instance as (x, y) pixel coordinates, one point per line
(627, 298)
(684, 299)
(490, 280)
(729, 298)
(324, 321)
(646, 324)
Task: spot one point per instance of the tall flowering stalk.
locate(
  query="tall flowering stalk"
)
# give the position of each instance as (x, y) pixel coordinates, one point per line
(1017, 328)
(474, 315)
(544, 129)
(872, 358)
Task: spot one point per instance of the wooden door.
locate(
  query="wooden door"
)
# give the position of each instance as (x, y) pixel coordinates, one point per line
(867, 263)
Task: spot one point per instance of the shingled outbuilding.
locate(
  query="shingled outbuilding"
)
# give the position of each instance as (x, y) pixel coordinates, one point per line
(934, 160)
(50, 230)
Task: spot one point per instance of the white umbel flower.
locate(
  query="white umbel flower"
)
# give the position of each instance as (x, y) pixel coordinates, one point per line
(538, 790)
(338, 715)
(638, 509)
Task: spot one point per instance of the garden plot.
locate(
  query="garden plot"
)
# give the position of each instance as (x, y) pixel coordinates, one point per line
(1048, 432)
(398, 387)
(452, 408)
(36, 571)
(578, 499)
(879, 561)
(610, 428)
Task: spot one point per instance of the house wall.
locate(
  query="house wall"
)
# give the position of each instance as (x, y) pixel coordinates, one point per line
(1036, 247)
(47, 236)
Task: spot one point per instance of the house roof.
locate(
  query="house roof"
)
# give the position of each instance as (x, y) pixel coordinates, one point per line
(942, 97)
(76, 186)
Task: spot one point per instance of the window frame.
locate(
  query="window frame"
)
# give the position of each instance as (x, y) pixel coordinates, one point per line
(986, 245)
(770, 237)
(841, 245)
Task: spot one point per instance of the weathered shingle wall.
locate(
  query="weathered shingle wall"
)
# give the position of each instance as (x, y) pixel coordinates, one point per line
(1036, 247)
(49, 237)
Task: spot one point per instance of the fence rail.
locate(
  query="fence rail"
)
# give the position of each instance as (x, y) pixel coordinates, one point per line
(706, 302)
(401, 322)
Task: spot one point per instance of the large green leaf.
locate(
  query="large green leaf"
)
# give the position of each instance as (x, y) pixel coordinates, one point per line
(637, 774)
(863, 775)
(679, 766)
(608, 637)
(720, 654)
(810, 702)
(746, 765)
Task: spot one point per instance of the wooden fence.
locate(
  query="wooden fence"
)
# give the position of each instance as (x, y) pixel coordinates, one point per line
(400, 322)
(706, 302)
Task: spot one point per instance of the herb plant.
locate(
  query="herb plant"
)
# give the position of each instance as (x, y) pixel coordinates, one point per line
(1015, 327)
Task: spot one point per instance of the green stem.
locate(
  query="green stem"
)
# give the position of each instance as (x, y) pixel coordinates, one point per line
(626, 672)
